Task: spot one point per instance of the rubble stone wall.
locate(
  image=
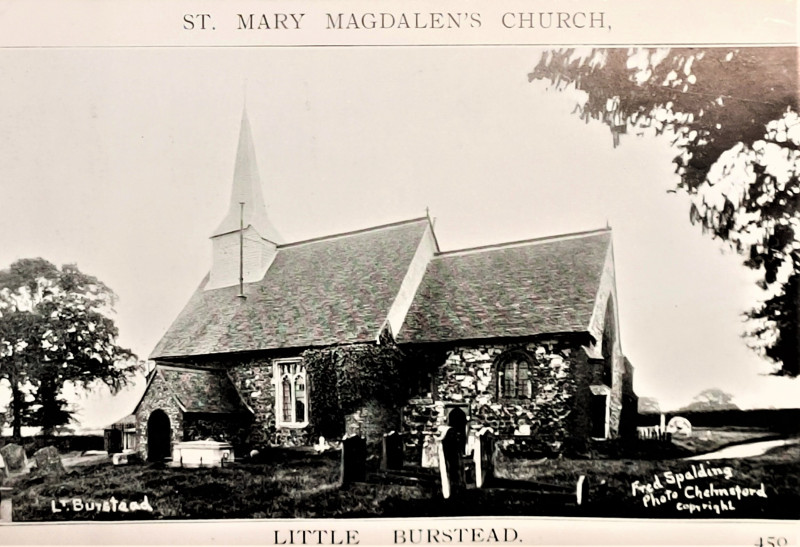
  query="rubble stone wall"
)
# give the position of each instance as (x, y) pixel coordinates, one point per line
(468, 379)
(253, 379)
(158, 396)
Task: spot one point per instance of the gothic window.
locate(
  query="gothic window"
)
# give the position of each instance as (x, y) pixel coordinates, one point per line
(291, 402)
(514, 376)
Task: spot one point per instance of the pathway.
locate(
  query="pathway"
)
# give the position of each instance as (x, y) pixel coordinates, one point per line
(747, 450)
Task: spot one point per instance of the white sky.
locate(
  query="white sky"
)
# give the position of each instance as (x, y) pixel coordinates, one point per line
(121, 160)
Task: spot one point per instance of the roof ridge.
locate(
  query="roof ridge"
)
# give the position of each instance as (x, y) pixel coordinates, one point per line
(521, 242)
(352, 232)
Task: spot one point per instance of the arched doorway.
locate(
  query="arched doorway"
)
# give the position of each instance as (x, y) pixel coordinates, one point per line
(159, 436)
(457, 419)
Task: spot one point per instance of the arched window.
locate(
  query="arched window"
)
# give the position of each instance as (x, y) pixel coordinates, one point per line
(514, 375)
(291, 401)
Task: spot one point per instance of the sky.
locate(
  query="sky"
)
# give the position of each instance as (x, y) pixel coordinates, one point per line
(121, 160)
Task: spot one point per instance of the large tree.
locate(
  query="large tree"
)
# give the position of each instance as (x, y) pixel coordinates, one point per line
(732, 116)
(711, 399)
(55, 329)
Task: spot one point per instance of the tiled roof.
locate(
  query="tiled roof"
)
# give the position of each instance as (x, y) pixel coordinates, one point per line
(522, 289)
(203, 390)
(326, 291)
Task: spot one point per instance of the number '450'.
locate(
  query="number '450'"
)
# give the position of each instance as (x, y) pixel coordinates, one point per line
(771, 542)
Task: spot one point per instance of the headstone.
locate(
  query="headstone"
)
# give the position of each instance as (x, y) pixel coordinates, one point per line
(6, 509)
(14, 458)
(3, 470)
(354, 460)
(450, 459)
(430, 451)
(443, 474)
(484, 457)
(392, 453)
(581, 490)
(48, 461)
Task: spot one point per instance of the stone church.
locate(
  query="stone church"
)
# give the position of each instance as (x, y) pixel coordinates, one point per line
(524, 335)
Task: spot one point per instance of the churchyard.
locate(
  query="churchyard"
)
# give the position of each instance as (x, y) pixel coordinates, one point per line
(638, 479)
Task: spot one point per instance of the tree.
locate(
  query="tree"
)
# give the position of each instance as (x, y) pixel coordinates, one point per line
(55, 329)
(17, 337)
(649, 405)
(732, 116)
(711, 399)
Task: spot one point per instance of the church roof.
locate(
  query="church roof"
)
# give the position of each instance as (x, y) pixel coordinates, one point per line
(203, 390)
(519, 289)
(198, 390)
(332, 290)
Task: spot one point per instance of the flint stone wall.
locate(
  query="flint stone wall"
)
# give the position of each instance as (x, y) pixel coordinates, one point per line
(254, 380)
(158, 396)
(468, 377)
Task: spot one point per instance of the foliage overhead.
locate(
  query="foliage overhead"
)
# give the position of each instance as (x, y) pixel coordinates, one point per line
(732, 117)
(55, 329)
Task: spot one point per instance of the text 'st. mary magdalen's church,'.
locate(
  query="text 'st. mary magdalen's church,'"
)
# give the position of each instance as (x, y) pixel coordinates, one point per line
(378, 330)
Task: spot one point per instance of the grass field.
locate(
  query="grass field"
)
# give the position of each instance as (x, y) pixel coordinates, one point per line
(291, 484)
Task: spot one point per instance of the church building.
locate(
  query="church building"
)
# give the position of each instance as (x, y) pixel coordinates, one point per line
(521, 337)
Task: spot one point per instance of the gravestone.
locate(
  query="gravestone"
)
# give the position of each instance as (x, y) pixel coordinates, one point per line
(14, 458)
(581, 490)
(484, 457)
(392, 453)
(450, 464)
(48, 461)
(354, 460)
(6, 508)
(430, 451)
(3, 470)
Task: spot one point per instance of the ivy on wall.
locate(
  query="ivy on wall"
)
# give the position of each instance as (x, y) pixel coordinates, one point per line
(344, 378)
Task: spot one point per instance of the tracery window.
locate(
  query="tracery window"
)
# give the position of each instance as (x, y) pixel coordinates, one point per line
(514, 375)
(291, 401)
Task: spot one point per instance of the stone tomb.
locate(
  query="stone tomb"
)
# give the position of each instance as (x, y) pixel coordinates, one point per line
(207, 453)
